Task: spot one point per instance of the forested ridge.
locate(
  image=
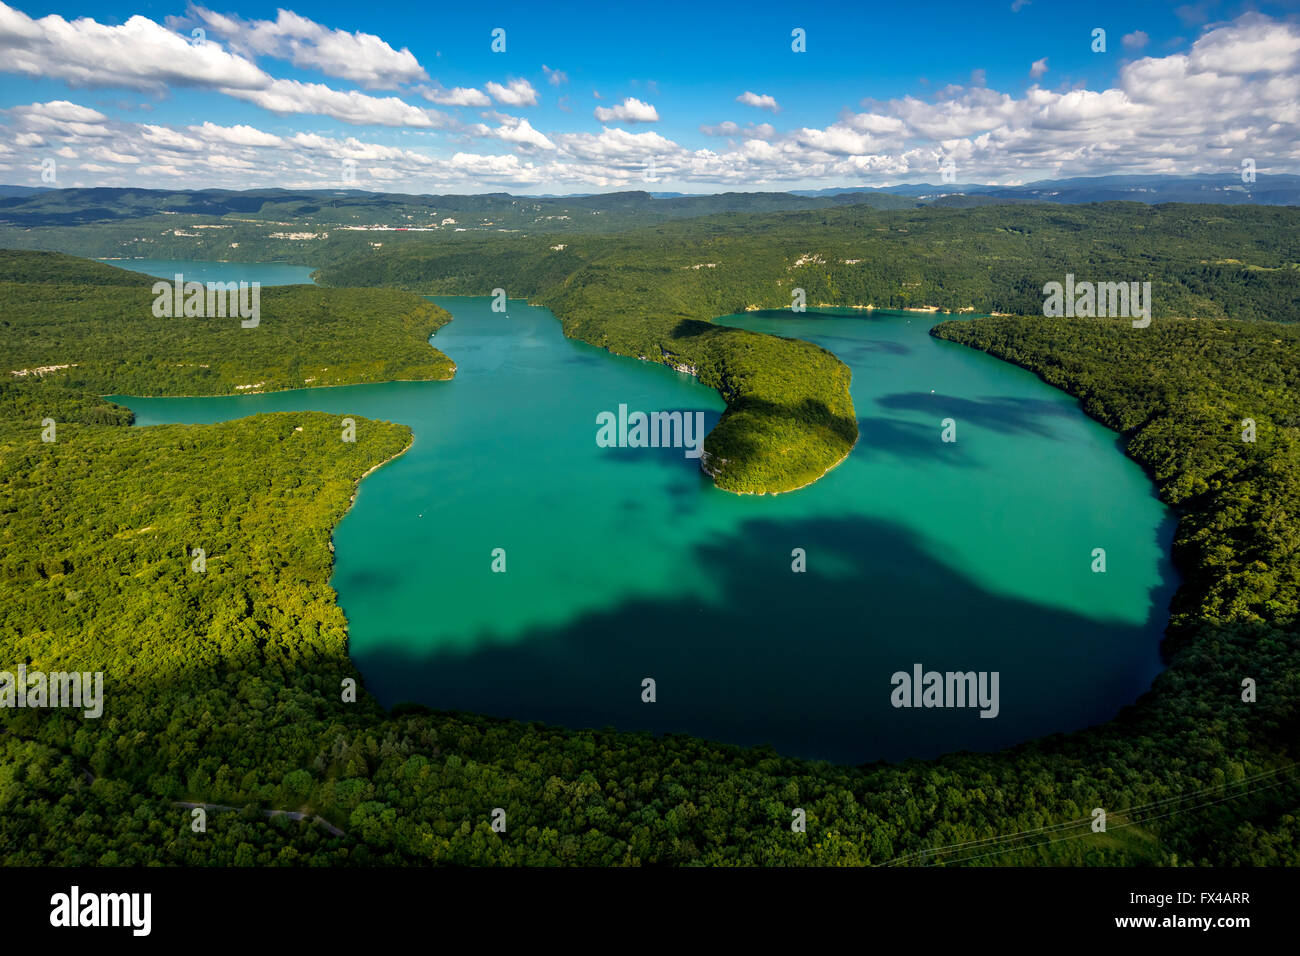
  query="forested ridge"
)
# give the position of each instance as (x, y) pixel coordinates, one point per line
(1203, 261)
(225, 687)
(57, 310)
(603, 212)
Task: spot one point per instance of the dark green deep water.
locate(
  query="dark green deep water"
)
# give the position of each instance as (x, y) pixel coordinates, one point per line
(623, 564)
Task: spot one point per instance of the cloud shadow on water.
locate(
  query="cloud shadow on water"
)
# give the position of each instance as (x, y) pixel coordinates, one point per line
(667, 456)
(910, 441)
(1010, 416)
(799, 661)
(847, 347)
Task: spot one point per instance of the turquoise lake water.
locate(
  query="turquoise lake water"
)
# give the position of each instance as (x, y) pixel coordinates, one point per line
(267, 273)
(626, 564)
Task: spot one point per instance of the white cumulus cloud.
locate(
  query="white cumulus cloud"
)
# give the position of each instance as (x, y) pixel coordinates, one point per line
(139, 54)
(515, 93)
(521, 132)
(350, 106)
(1135, 40)
(362, 58)
(457, 96)
(631, 110)
(763, 102)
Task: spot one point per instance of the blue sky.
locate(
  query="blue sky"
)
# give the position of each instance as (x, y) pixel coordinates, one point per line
(669, 96)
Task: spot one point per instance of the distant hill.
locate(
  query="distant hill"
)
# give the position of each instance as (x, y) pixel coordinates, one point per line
(6, 191)
(1267, 190)
(622, 210)
(26, 207)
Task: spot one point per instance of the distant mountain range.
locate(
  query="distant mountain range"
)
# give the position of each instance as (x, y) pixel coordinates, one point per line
(7, 191)
(26, 206)
(352, 207)
(1267, 190)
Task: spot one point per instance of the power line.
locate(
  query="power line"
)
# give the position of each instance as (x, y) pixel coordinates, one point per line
(1121, 826)
(1038, 831)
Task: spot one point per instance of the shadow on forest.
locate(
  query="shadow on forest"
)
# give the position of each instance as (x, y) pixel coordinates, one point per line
(810, 411)
(693, 328)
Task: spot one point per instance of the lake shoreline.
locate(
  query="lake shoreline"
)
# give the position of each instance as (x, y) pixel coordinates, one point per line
(296, 388)
(356, 490)
(421, 616)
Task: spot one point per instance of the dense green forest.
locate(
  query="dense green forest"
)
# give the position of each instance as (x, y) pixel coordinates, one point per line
(1202, 261)
(57, 310)
(224, 687)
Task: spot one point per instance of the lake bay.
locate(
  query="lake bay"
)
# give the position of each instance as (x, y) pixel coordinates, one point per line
(626, 563)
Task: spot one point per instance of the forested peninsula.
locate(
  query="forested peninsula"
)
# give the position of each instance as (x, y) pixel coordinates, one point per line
(93, 327)
(789, 416)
